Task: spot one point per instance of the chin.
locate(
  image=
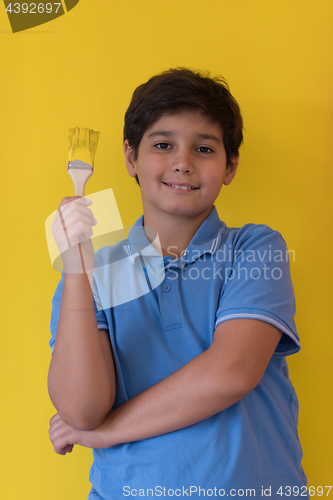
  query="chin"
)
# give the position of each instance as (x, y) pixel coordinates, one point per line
(188, 211)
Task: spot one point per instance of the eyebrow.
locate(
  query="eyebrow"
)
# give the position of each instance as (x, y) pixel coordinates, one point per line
(168, 133)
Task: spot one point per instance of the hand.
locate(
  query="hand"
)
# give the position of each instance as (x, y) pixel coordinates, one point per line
(71, 226)
(64, 437)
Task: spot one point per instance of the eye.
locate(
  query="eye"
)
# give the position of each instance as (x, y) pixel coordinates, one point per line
(205, 147)
(162, 144)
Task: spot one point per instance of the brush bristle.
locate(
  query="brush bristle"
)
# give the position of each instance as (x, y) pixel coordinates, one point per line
(82, 144)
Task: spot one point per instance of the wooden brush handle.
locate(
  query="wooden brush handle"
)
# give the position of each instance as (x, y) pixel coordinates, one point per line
(80, 178)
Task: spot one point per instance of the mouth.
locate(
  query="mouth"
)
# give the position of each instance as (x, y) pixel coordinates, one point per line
(185, 186)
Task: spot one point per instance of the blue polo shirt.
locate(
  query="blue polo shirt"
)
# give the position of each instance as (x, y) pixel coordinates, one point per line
(249, 449)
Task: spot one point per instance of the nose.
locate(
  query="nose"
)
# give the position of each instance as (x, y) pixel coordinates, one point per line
(182, 162)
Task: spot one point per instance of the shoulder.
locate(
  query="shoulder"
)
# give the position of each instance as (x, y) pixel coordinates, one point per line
(113, 253)
(253, 236)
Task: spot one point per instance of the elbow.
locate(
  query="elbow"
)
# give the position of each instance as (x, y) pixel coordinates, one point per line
(229, 390)
(89, 420)
(245, 386)
(79, 410)
(83, 416)
(245, 383)
(83, 421)
(238, 390)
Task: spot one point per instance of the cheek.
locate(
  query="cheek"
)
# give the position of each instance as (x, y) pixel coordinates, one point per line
(150, 170)
(216, 180)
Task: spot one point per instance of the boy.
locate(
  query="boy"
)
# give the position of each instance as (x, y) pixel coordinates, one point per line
(194, 371)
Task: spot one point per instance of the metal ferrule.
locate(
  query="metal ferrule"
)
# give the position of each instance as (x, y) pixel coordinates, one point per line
(80, 165)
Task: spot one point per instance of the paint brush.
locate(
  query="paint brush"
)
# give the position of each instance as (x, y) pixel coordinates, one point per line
(82, 145)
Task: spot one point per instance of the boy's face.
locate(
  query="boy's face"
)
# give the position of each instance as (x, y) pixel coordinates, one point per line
(181, 172)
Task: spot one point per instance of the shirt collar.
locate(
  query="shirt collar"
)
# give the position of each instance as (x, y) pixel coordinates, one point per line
(206, 240)
(138, 243)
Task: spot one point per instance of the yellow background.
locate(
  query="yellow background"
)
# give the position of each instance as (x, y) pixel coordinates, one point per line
(81, 70)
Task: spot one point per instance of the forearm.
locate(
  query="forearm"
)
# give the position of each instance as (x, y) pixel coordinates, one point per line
(80, 384)
(191, 394)
(211, 382)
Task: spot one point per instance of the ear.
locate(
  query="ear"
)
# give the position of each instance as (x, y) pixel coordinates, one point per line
(231, 170)
(128, 152)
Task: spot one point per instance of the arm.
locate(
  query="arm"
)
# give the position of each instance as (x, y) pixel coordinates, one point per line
(81, 379)
(211, 382)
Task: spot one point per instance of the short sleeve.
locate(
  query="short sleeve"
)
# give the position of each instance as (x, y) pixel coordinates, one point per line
(100, 315)
(258, 284)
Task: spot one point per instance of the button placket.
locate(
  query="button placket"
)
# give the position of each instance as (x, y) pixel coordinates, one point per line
(170, 302)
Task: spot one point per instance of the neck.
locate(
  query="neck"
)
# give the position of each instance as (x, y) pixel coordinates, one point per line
(175, 232)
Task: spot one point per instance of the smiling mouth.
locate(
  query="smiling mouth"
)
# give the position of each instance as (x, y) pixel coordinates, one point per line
(184, 188)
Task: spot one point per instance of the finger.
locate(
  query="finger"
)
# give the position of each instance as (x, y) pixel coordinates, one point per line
(64, 214)
(77, 227)
(75, 200)
(73, 207)
(71, 204)
(54, 418)
(77, 214)
(58, 423)
(54, 426)
(75, 224)
(79, 199)
(79, 232)
(63, 451)
(61, 434)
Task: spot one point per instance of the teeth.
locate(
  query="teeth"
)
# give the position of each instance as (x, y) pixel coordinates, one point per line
(181, 187)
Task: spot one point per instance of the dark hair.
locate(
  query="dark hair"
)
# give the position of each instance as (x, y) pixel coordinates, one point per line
(181, 89)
